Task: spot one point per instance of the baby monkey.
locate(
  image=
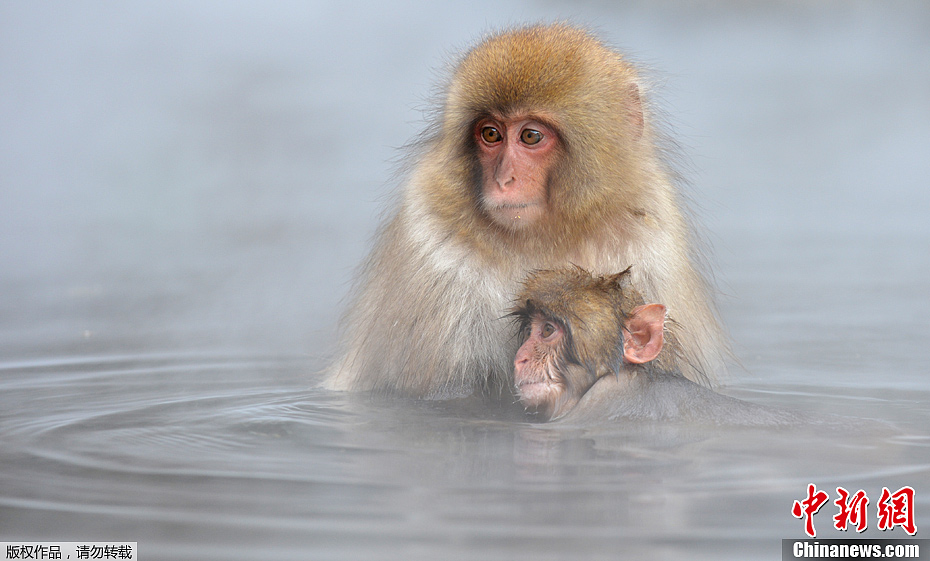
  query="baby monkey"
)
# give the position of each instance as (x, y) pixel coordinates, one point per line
(579, 328)
(589, 342)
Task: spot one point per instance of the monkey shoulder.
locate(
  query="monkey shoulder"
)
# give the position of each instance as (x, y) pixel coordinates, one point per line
(663, 396)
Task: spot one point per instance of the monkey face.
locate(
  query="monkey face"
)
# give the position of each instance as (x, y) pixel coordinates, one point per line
(546, 381)
(515, 155)
(535, 380)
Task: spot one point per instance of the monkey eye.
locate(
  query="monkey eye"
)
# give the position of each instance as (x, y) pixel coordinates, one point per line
(548, 330)
(490, 134)
(530, 136)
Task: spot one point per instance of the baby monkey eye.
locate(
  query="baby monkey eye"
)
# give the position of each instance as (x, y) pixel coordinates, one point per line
(490, 134)
(548, 330)
(530, 136)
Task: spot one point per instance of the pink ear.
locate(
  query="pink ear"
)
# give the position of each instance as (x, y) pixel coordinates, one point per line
(644, 336)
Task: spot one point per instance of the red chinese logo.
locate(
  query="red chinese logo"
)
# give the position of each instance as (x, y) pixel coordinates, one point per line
(808, 508)
(894, 509)
(852, 510)
(897, 509)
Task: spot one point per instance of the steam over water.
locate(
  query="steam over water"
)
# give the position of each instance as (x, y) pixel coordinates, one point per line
(185, 190)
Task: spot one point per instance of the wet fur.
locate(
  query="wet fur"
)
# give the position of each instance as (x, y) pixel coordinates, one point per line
(592, 310)
(655, 395)
(425, 314)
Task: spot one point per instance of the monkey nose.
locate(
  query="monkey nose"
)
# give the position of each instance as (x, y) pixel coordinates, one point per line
(505, 185)
(506, 180)
(505, 175)
(522, 358)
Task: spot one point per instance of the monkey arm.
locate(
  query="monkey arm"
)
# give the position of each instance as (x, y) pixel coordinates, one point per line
(420, 325)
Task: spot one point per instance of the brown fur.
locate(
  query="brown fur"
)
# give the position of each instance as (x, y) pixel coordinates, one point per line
(425, 320)
(592, 313)
(595, 383)
(592, 309)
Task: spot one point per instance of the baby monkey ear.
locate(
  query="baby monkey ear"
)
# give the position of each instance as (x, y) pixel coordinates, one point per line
(644, 333)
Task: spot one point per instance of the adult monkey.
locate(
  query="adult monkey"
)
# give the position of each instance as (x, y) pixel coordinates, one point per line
(543, 154)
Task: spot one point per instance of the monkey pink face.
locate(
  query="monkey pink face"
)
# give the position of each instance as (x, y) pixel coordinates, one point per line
(516, 156)
(539, 386)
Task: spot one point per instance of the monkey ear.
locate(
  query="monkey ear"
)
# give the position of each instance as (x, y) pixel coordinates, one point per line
(621, 280)
(644, 333)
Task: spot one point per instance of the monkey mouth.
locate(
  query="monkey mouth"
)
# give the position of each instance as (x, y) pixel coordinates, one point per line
(515, 214)
(535, 383)
(515, 208)
(532, 393)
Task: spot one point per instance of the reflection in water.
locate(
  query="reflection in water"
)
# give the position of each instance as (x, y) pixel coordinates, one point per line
(235, 456)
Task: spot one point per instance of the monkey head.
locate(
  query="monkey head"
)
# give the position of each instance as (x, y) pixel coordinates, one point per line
(578, 327)
(545, 122)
